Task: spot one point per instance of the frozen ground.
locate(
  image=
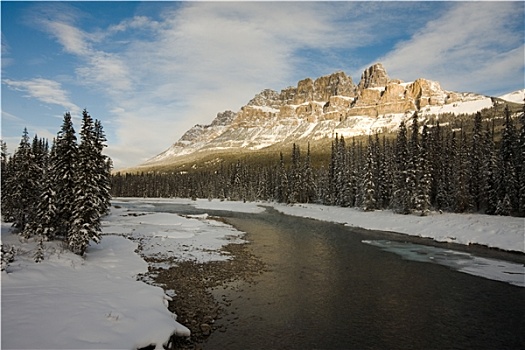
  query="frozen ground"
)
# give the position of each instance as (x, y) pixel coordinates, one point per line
(502, 232)
(66, 302)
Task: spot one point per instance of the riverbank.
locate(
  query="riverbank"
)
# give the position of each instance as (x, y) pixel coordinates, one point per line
(189, 256)
(501, 232)
(100, 300)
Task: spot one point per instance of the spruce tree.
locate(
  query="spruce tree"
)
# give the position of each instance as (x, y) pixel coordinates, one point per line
(103, 169)
(521, 162)
(6, 179)
(399, 203)
(424, 176)
(63, 172)
(24, 185)
(508, 186)
(85, 226)
(47, 220)
(368, 186)
(490, 167)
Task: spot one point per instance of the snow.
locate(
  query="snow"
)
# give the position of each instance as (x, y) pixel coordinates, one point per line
(464, 107)
(515, 96)
(96, 302)
(67, 302)
(504, 232)
(493, 269)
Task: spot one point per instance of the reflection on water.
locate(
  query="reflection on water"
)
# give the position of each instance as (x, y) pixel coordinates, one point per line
(327, 290)
(493, 269)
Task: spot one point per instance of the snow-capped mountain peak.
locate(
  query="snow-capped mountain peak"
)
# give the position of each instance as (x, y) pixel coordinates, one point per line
(320, 108)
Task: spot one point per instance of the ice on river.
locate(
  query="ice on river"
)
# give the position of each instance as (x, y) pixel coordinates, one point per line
(493, 269)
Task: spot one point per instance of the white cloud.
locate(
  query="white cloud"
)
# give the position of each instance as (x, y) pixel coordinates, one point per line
(45, 90)
(205, 58)
(470, 47)
(163, 75)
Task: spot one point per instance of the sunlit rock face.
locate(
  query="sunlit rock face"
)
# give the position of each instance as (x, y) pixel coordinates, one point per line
(319, 108)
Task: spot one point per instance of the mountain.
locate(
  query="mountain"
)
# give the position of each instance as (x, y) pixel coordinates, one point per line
(317, 109)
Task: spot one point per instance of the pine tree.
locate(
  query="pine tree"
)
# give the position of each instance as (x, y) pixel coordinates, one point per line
(412, 185)
(103, 169)
(424, 176)
(63, 174)
(399, 203)
(39, 253)
(6, 178)
(24, 185)
(508, 186)
(294, 178)
(85, 217)
(490, 173)
(309, 189)
(463, 201)
(521, 162)
(368, 187)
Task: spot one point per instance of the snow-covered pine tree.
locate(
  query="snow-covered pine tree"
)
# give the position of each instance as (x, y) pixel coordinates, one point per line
(412, 185)
(490, 170)
(521, 162)
(47, 220)
(39, 253)
(24, 185)
(424, 175)
(386, 174)
(281, 189)
(6, 178)
(104, 166)
(85, 226)
(463, 200)
(294, 176)
(400, 177)
(477, 154)
(63, 171)
(368, 186)
(340, 180)
(508, 186)
(8, 255)
(309, 189)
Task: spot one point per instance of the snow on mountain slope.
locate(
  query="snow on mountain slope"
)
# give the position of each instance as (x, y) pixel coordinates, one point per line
(320, 109)
(515, 96)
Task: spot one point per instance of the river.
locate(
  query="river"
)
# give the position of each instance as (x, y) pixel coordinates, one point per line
(327, 287)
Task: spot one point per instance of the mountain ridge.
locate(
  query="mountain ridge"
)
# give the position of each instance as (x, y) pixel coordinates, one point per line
(320, 108)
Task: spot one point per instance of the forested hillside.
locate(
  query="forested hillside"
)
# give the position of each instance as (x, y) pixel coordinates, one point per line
(476, 166)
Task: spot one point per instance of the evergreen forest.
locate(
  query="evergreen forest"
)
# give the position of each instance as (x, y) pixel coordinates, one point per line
(423, 167)
(58, 192)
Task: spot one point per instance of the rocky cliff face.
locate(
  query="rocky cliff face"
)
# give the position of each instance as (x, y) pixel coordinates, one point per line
(319, 108)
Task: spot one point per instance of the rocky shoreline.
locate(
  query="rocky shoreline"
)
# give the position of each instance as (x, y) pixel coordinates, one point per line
(193, 283)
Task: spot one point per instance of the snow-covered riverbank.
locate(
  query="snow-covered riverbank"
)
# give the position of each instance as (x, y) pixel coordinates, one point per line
(69, 302)
(504, 232)
(96, 302)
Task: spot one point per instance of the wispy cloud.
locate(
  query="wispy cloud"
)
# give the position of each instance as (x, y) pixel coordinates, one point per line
(163, 75)
(44, 90)
(197, 60)
(474, 44)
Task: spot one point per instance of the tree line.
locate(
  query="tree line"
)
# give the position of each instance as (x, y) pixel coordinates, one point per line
(424, 167)
(58, 192)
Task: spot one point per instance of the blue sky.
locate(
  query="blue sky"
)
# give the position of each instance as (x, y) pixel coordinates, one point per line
(151, 70)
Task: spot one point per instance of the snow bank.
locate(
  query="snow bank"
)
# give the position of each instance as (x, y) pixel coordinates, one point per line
(67, 302)
(502, 232)
(214, 204)
(166, 235)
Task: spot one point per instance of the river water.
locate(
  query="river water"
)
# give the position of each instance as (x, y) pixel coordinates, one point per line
(329, 286)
